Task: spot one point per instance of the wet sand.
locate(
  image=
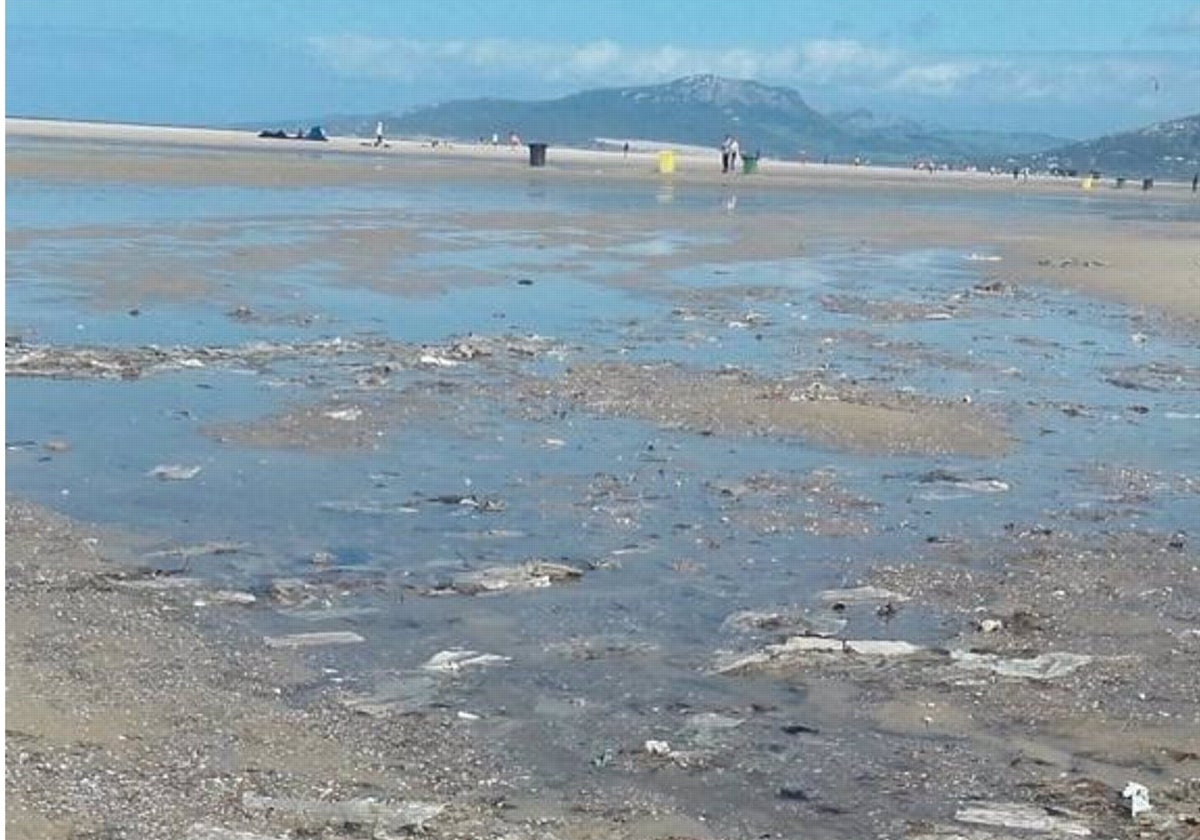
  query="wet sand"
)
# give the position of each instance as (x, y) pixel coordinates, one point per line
(141, 705)
(1154, 264)
(159, 684)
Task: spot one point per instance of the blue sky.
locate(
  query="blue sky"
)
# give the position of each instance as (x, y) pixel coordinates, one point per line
(1071, 67)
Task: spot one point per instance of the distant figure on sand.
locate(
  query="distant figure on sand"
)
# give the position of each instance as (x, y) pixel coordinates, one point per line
(734, 151)
(1195, 181)
(725, 153)
(379, 133)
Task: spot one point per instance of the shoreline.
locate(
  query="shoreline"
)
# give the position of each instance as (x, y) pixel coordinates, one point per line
(692, 166)
(1139, 262)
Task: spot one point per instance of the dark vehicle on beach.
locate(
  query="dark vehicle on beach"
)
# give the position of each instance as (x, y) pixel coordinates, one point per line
(314, 133)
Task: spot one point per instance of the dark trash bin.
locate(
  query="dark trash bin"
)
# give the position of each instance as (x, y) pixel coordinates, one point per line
(537, 154)
(1147, 183)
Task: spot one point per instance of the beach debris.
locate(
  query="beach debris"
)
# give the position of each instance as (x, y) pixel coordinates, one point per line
(101, 362)
(235, 597)
(242, 313)
(187, 552)
(702, 721)
(535, 574)
(1047, 666)
(174, 472)
(305, 640)
(862, 595)
(788, 620)
(367, 508)
(401, 695)
(456, 659)
(348, 415)
(658, 749)
(211, 832)
(151, 581)
(707, 727)
(1023, 817)
(1068, 262)
(323, 611)
(604, 758)
(590, 649)
(316, 814)
(990, 625)
(799, 729)
(974, 485)
(994, 287)
(1139, 799)
(799, 651)
(481, 503)
(291, 591)
(793, 793)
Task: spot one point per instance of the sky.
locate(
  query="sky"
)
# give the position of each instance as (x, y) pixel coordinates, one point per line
(1074, 68)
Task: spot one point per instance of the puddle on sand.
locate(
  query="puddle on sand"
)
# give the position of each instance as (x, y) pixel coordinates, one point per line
(599, 665)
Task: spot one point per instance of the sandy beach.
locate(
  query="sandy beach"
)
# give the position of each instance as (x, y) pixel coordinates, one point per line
(371, 493)
(1154, 264)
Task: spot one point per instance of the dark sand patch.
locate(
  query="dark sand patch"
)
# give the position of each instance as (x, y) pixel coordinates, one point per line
(739, 403)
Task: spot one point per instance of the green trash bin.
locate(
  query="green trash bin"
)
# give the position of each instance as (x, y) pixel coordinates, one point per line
(537, 154)
(749, 164)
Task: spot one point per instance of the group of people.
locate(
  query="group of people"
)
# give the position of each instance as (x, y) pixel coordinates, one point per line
(730, 151)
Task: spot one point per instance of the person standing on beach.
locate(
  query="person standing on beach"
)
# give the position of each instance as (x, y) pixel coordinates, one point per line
(379, 133)
(725, 154)
(734, 151)
(1195, 181)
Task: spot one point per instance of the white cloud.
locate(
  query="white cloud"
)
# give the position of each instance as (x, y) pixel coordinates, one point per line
(597, 57)
(940, 79)
(597, 62)
(831, 69)
(843, 52)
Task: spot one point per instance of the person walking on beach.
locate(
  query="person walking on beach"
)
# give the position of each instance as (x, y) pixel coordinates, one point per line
(725, 153)
(1195, 181)
(734, 151)
(379, 133)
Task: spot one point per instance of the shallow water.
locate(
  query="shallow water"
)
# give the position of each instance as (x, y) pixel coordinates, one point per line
(617, 657)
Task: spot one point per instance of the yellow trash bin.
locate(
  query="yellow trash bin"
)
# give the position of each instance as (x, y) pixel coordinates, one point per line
(666, 162)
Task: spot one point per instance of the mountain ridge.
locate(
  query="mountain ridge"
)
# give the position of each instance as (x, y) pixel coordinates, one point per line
(1169, 148)
(699, 110)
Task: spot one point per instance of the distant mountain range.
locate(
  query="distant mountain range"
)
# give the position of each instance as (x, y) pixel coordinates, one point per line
(1168, 149)
(700, 110)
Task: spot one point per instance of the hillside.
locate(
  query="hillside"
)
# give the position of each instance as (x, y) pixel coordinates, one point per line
(1168, 149)
(698, 111)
